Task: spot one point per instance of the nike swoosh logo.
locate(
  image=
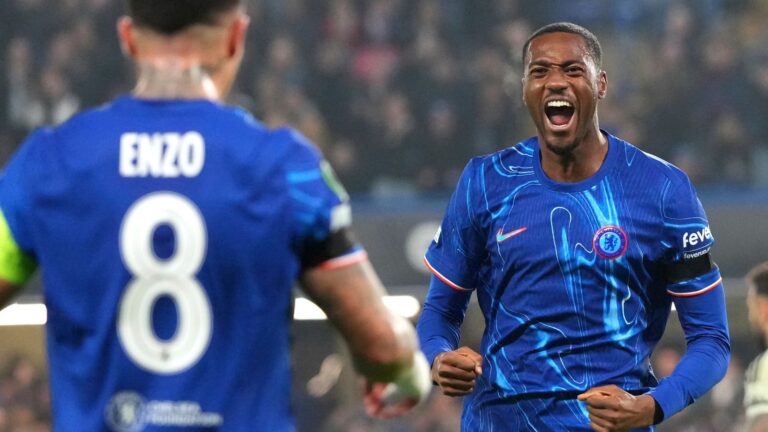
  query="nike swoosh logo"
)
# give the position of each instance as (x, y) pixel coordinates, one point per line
(501, 236)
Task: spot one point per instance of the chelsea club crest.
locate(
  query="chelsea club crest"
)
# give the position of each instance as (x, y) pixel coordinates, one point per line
(610, 242)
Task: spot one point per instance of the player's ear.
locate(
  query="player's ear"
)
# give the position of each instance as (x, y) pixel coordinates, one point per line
(602, 84)
(125, 34)
(237, 33)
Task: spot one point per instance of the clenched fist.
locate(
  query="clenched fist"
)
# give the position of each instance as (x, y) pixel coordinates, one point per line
(455, 371)
(612, 409)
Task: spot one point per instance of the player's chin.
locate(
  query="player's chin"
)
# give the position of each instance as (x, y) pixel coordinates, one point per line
(560, 144)
(560, 140)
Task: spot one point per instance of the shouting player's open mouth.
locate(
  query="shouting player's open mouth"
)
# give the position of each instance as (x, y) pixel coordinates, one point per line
(559, 114)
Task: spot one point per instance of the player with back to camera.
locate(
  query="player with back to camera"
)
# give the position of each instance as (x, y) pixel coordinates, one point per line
(170, 229)
(756, 382)
(577, 244)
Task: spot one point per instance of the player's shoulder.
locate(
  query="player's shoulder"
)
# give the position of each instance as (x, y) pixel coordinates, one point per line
(92, 119)
(516, 159)
(295, 142)
(280, 140)
(649, 165)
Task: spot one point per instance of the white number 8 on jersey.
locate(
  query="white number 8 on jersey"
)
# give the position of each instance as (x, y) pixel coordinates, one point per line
(173, 277)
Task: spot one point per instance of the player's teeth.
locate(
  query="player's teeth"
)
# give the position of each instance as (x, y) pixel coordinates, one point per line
(558, 104)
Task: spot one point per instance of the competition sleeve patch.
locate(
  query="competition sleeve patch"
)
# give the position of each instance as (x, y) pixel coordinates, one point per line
(15, 265)
(329, 176)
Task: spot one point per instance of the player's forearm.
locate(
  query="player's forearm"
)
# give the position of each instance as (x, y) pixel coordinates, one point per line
(382, 345)
(437, 333)
(381, 364)
(702, 366)
(705, 361)
(440, 322)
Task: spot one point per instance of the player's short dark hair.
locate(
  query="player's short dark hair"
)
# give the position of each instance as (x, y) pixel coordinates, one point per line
(170, 16)
(593, 45)
(757, 278)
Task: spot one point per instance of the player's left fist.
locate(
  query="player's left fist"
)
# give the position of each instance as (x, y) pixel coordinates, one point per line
(612, 409)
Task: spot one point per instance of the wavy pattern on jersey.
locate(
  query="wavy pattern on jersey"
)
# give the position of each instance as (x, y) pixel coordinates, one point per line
(539, 414)
(595, 208)
(618, 320)
(571, 256)
(695, 222)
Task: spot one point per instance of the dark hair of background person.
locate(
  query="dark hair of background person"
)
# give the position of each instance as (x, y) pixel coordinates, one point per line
(758, 279)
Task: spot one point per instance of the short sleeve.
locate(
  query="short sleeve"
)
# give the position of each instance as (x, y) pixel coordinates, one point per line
(688, 238)
(320, 207)
(685, 222)
(458, 250)
(17, 261)
(17, 182)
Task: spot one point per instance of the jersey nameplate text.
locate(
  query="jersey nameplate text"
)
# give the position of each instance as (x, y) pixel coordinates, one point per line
(168, 154)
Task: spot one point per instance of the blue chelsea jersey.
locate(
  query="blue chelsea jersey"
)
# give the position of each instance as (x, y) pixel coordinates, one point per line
(170, 234)
(570, 277)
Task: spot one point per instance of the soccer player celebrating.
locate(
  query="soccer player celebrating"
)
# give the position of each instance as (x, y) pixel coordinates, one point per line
(576, 243)
(170, 229)
(756, 385)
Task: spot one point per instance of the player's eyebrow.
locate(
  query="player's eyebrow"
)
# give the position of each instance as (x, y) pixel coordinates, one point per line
(561, 65)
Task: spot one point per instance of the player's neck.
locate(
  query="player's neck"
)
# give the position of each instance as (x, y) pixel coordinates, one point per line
(578, 164)
(174, 79)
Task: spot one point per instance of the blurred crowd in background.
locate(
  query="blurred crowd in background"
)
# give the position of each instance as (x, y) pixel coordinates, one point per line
(400, 94)
(25, 403)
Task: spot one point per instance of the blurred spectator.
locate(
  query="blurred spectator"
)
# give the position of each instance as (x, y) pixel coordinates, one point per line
(24, 404)
(396, 150)
(443, 141)
(696, 92)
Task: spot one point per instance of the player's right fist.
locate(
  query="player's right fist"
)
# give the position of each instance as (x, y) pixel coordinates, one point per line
(455, 371)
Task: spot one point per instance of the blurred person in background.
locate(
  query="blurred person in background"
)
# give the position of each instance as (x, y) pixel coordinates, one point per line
(170, 229)
(756, 384)
(577, 244)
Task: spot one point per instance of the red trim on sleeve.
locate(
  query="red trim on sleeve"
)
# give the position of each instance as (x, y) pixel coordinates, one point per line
(699, 292)
(444, 279)
(344, 260)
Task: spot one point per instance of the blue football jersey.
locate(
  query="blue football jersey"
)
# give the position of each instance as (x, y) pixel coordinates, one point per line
(170, 234)
(570, 277)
